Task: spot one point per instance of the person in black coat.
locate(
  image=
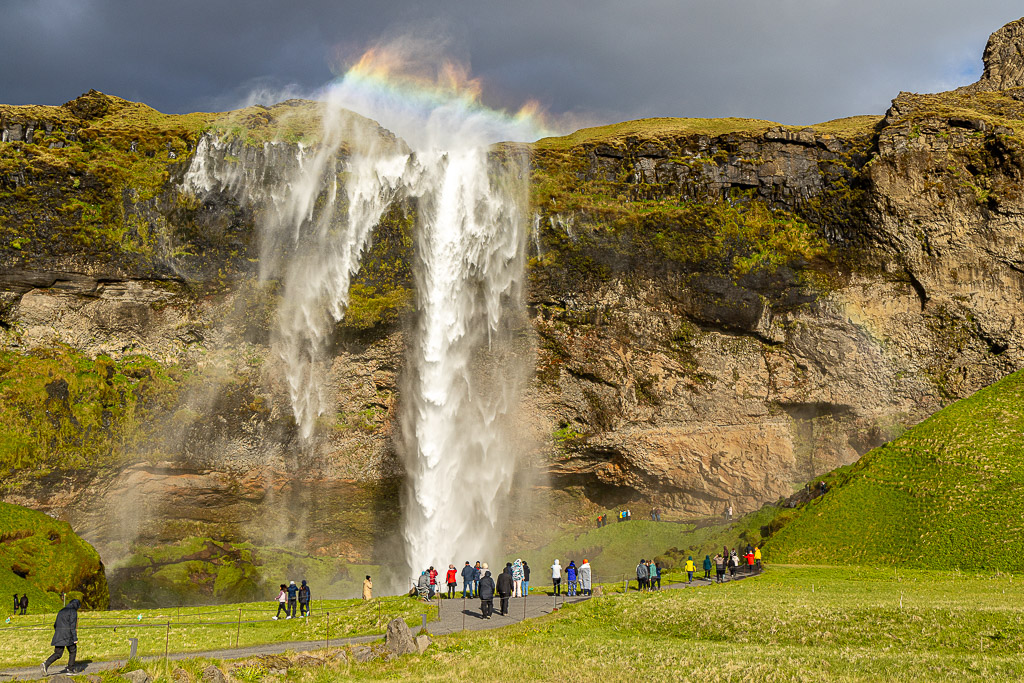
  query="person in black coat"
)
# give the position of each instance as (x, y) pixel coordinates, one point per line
(24, 603)
(485, 589)
(505, 589)
(65, 635)
(16, 603)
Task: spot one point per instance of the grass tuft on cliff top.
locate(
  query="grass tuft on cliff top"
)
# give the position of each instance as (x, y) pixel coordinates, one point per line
(947, 494)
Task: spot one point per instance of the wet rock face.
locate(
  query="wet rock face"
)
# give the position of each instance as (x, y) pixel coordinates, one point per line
(1004, 59)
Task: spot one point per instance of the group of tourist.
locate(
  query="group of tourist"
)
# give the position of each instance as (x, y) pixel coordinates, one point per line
(648, 575)
(732, 561)
(292, 598)
(578, 580)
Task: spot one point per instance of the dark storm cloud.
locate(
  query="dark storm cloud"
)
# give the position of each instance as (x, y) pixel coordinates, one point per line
(795, 61)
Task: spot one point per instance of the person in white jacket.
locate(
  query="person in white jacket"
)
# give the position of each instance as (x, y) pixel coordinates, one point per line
(556, 577)
(585, 577)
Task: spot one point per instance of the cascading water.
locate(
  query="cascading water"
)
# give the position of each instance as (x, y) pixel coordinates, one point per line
(466, 355)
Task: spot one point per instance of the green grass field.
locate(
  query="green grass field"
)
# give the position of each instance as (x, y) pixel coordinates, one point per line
(947, 494)
(26, 639)
(790, 624)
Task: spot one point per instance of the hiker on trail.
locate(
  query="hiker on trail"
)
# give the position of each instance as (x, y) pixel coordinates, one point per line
(707, 567)
(423, 586)
(641, 575)
(719, 568)
(485, 589)
(728, 513)
(689, 569)
(585, 577)
(304, 599)
(293, 599)
(432, 573)
(556, 577)
(757, 558)
(733, 563)
(451, 578)
(526, 579)
(517, 579)
(504, 588)
(654, 575)
(750, 561)
(468, 579)
(570, 576)
(65, 635)
(24, 604)
(282, 602)
(367, 588)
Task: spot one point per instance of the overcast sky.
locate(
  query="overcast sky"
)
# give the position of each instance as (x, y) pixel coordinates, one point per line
(792, 61)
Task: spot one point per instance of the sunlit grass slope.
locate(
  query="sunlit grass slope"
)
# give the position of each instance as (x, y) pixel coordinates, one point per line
(948, 493)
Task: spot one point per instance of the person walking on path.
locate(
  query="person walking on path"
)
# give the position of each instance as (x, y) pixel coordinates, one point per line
(719, 568)
(451, 578)
(485, 590)
(707, 567)
(517, 579)
(655, 572)
(556, 577)
(749, 557)
(282, 602)
(526, 579)
(585, 577)
(24, 604)
(689, 569)
(757, 558)
(467, 580)
(65, 635)
(304, 599)
(641, 575)
(293, 599)
(733, 563)
(367, 588)
(570, 576)
(504, 588)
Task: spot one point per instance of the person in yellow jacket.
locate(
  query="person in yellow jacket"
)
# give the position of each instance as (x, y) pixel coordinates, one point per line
(757, 558)
(689, 569)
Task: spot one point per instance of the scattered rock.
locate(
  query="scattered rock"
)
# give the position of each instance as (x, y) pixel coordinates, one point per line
(212, 674)
(137, 676)
(275, 664)
(398, 638)
(179, 675)
(307, 661)
(422, 643)
(598, 591)
(364, 654)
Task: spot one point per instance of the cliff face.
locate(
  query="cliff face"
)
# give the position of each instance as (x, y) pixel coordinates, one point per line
(723, 309)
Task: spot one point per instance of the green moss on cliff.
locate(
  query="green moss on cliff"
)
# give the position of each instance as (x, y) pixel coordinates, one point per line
(60, 409)
(44, 558)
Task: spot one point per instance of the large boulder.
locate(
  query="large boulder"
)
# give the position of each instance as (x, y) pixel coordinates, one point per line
(398, 639)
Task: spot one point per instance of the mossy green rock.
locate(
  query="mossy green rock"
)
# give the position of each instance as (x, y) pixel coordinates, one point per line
(44, 558)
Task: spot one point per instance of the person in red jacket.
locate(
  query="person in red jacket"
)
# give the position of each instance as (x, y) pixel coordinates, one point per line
(750, 561)
(452, 579)
(432, 574)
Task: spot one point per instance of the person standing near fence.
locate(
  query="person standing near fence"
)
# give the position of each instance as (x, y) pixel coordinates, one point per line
(654, 575)
(485, 589)
(556, 578)
(282, 602)
(24, 604)
(367, 588)
(304, 598)
(517, 578)
(504, 587)
(585, 577)
(65, 635)
(478, 573)
(526, 579)
(451, 578)
(467, 580)
(641, 575)
(570, 576)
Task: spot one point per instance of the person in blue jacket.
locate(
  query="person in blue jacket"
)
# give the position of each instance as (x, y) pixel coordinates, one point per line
(570, 577)
(293, 599)
(467, 580)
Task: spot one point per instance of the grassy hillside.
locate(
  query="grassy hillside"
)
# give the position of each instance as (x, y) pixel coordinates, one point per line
(948, 493)
(43, 557)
